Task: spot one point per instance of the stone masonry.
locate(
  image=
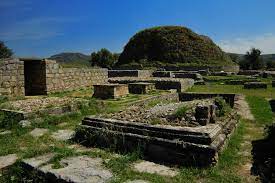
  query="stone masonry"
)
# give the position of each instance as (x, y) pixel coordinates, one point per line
(60, 79)
(113, 91)
(17, 77)
(12, 77)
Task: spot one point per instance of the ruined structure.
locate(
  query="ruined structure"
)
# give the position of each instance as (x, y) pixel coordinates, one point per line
(185, 145)
(19, 77)
(112, 91)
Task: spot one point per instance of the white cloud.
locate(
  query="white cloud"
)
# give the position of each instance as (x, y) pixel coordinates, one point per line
(266, 43)
(34, 29)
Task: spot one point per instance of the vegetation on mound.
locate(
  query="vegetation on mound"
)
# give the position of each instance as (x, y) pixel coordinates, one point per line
(172, 45)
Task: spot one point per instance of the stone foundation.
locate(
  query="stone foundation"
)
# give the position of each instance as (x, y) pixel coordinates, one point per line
(255, 85)
(194, 76)
(188, 146)
(160, 83)
(130, 73)
(112, 91)
(141, 88)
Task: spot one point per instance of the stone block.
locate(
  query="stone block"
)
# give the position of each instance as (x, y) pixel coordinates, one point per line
(255, 85)
(141, 88)
(106, 91)
(202, 114)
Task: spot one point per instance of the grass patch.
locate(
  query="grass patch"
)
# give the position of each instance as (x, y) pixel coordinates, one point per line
(180, 112)
(216, 88)
(261, 110)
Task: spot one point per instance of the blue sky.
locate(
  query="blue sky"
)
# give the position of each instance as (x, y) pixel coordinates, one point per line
(43, 28)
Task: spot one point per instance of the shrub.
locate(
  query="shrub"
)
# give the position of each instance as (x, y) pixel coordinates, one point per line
(181, 112)
(222, 107)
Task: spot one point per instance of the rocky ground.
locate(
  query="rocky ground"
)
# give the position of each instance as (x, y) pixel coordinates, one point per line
(35, 104)
(161, 113)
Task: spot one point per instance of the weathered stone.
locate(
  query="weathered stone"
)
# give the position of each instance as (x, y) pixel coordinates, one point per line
(63, 135)
(74, 169)
(255, 85)
(6, 132)
(191, 75)
(25, 123)
(38, 132)
(141, 88)
(137, 181)
(106, 91)
(203, 114)
(44, 76)
(152, 168)
(8, 160)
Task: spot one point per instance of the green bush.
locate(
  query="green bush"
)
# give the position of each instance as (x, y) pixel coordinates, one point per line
(181, 112)
(222, 107)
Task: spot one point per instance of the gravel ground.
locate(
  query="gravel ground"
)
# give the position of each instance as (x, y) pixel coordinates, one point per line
(160, 113)
(35, 104)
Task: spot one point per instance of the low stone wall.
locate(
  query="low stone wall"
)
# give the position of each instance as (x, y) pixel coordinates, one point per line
(210, 68)
(179, 84)
(112, 91)
(12, 77)
(255, 85)
(130, 73)
(188, 96)
(194, 76)
(162, 74)
(61, 79)
(249, 72)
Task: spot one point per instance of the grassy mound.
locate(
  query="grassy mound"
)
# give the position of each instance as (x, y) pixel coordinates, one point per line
(172, 45)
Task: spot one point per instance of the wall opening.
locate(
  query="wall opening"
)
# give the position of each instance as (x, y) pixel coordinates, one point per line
(35, 77)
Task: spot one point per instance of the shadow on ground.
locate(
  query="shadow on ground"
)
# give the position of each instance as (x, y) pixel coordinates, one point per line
(263, 153)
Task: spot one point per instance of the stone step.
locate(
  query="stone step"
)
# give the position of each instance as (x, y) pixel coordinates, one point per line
(202, 135)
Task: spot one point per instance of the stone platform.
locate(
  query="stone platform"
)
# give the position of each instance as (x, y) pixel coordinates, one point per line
(73, 169)
(180, 84)
(112, 91)
(255, 85)
(141, 88)
(188, 146)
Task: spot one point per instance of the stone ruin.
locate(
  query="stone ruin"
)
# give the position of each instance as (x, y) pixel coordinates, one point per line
(22, 76)
(113, 91)
(195, 145)
(255, 85)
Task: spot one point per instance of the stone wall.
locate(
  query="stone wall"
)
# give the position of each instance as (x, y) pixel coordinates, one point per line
(60, 79)
(50, 78)
(234, 68)
(12, 77)
(130, 73)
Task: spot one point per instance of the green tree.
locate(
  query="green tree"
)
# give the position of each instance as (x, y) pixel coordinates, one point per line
(270, 64)
(104, 58)
(5, 52)
(252, 60)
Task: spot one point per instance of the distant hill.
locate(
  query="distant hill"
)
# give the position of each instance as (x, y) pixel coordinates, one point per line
(69, 59)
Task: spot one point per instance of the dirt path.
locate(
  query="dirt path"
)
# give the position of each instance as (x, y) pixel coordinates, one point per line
(242, 108)
(252, 132)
